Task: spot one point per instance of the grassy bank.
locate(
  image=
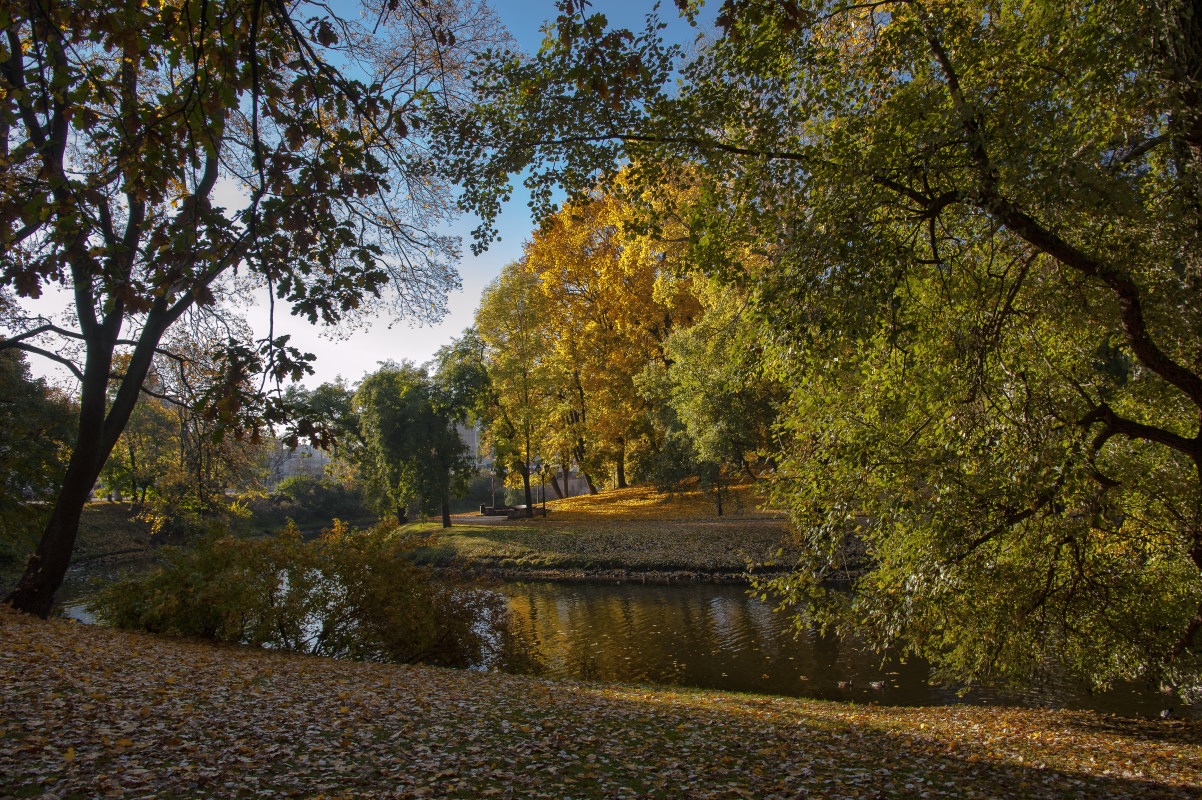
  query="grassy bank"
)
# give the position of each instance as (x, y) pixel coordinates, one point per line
(107, 531)
(90, 711)
(619, 532)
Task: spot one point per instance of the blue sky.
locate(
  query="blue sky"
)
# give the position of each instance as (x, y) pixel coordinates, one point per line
(354, 356)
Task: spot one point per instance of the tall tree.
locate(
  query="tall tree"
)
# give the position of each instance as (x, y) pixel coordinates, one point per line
(152, 150)
(411, 454)
(612, 300)
(979, 228)
(721, 389)
(512, 321)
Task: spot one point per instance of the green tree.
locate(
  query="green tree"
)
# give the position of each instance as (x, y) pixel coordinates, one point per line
(120, 122)
(147, 450)
(977, 230)
(726, 403)
(35, 440)
(512, 323)
(393, 406)
(411, 453)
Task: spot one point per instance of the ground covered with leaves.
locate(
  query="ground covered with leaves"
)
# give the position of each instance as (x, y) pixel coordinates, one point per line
(619, 533)
(88, 711)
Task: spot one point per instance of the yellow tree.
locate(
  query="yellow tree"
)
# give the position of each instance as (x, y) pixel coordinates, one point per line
(611, 302)
(512, 323)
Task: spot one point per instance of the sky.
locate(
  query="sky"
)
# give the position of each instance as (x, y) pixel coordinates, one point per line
(361, 353)
(351, 356)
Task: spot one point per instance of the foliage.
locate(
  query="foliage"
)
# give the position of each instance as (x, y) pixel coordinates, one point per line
(716, 407)
(349, 594)
(411, 454)
(511, 326)
(124, 124)
(973, 230)
(612, 300)
(312, 495)
(149, 446)
(35, 438)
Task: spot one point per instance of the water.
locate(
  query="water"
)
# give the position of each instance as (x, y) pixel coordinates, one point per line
(718, 637)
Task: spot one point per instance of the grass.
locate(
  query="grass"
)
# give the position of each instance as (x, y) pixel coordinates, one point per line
(611, 534)
(636, 529)
(106, 531)
(88, 711)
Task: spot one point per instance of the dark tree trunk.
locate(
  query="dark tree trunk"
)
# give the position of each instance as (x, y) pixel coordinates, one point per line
(621, 462)
(526, 486)
(446, 496)
(563, 467)
(98, 433)
(45, 569)
(555, 485)
(592, 488)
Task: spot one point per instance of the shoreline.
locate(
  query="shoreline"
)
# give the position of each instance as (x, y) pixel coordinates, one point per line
(610, 575)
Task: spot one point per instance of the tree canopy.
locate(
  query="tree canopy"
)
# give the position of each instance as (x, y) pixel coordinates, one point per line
(159, 155)
(973, 228)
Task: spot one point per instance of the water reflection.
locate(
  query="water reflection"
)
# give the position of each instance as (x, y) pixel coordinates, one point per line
(717, 637)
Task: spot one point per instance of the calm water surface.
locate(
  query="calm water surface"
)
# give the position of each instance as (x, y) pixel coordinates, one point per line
(718, 637)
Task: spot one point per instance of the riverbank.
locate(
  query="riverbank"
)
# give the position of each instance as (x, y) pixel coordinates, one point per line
(89, 710)
(635, 534)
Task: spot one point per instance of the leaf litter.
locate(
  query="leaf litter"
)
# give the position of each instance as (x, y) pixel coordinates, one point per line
(87, 711)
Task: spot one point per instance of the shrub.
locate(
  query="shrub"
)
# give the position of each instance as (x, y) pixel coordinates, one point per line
(348, 594)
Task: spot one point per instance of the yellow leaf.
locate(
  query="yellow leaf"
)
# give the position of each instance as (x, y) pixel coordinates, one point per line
(69, 755)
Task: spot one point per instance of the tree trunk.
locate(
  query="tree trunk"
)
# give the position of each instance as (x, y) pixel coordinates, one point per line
(592, 488)
(98, 433)
(567, 476)
(45, 569)
(555, 486)
(446, 510)
(526, 486)
(621, 462)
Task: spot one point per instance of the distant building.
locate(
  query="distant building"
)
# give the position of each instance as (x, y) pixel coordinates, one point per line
(471, 439)
(305, 460)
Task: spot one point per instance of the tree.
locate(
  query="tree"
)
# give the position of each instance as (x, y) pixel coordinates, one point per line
(35, 438)
(612, 299)
(725, 402)
(147, 450)
(394, 413)
(157, 154)
(978, 226)
(411, 453)
(511, 321)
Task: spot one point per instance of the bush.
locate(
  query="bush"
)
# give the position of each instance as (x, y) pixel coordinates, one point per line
(348, 594)
(670, 467)
(311, 502)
